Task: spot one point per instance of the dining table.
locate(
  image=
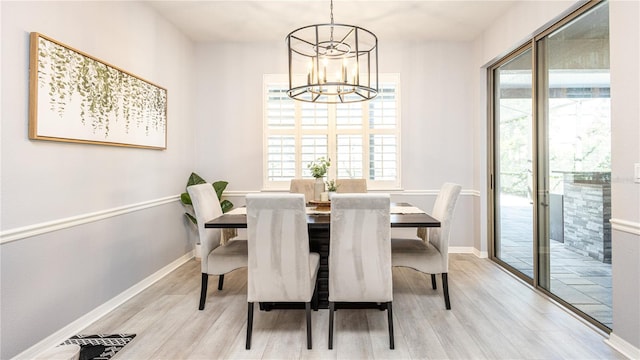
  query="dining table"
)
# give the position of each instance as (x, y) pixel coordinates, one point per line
(402, 215)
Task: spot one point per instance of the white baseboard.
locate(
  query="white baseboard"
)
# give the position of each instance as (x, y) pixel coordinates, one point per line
(460, 250)
(468, 250)
(623, 346)
(73, 328)
(480, 254)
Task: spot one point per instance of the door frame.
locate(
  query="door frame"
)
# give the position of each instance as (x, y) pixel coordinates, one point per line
(538, 106)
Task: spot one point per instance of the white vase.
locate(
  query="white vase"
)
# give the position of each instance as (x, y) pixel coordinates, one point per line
(318, 188)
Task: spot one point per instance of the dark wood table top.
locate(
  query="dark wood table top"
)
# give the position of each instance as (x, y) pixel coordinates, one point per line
(321, 221)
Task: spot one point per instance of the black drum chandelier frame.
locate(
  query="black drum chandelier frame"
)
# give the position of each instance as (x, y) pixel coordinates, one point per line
(332, 63)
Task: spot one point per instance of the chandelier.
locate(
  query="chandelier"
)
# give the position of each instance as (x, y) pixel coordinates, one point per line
(332, 63)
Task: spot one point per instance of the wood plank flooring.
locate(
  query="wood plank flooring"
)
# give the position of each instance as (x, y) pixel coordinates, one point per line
(493, 316)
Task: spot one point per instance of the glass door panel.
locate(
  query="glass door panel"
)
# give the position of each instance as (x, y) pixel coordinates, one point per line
(513, 111)
(574, 184)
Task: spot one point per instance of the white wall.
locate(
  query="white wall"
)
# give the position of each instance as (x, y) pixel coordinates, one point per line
(518, 24)
(437, 126)
(625, 194)
(435, 116)
(51, 279)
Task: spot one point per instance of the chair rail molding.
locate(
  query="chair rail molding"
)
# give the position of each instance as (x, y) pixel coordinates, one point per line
(630, 227)
(468, 192)
(49, 226)
(23, 232)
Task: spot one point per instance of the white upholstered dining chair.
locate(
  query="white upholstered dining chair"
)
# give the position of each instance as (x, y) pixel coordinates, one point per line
(360, 253)
(216, 259)
(351, 185)
(429, 253)
(303, 186)
(280, 268)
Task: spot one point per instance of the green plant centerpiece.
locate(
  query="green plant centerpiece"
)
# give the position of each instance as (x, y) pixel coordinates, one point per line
(219, 186)
(331, 186)
(318, 170)
(319, 167)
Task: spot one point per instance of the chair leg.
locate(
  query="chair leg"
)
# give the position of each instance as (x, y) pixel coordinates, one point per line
(390, 320)
(332, 308)
(445, 290)
(307, 307)
(203, 290)
(249, 324)
(433, 281)
(220, 281)
(314, 299)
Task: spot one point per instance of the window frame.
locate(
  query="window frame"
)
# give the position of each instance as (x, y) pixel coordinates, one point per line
(332, 132)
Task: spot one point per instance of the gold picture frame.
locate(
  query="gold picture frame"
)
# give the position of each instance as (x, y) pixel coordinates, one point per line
(75, 97)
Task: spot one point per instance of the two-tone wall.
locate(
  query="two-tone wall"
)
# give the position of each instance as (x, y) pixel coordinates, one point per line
(81, 224)
(625, 193)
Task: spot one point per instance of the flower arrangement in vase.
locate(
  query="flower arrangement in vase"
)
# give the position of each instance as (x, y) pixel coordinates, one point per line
(318, 170)
(319, 167)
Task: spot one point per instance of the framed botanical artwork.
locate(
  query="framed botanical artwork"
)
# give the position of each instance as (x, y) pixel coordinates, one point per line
(75, 97)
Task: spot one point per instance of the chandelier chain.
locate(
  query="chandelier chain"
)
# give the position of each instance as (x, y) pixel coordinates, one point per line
(331, 8)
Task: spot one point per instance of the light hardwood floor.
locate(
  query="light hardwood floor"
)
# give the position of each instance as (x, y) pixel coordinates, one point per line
(493, 316)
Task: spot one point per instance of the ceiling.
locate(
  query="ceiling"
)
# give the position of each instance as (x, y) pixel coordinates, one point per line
(266, 20)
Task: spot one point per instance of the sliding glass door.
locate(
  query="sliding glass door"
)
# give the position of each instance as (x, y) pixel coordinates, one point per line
(574, 156)
(551, 191)
(513, 112)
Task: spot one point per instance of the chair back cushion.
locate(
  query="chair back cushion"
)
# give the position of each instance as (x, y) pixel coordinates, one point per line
(303, 186)
(206, 207)
(351, 185)
(278, 248)
(360, 248)
(443, 210)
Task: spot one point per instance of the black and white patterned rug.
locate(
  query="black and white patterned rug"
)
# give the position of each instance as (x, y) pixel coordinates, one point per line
(99, 346)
